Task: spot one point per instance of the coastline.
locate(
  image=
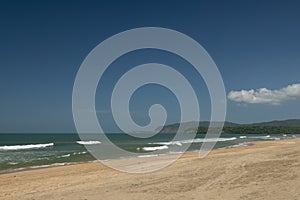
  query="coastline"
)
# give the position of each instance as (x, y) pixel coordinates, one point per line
(229, 172)
(74, 153)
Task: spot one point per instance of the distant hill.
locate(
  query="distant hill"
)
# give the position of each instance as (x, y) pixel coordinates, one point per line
(285, 127)
(289, 122)
(190, 126)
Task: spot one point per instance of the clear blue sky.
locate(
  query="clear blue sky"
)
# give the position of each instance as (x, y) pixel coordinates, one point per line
(255, 44)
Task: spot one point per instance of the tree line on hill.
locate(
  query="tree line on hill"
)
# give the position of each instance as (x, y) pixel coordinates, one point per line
(291, 126)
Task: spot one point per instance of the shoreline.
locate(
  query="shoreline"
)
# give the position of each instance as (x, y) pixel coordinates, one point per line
(187, 153)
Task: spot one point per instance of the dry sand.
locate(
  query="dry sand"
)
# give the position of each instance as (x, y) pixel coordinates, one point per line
(266, 170)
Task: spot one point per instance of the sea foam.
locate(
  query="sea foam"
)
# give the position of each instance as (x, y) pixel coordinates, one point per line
(64, 156)
(196, 140)
(26, 146)
(267, 137)
(88, 142)
(155, 148)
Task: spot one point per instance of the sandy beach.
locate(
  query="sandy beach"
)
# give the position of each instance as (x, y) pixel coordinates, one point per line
(265, 170)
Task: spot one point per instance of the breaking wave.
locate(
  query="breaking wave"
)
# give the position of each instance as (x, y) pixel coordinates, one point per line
(24, 147)
(88, 142)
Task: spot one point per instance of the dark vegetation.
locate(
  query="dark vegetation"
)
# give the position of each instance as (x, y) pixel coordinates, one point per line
(291, 126)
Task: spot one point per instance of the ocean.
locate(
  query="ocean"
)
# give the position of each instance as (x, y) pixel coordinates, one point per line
(29, 151)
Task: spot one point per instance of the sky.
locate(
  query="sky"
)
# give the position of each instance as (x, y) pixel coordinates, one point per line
(255, 45)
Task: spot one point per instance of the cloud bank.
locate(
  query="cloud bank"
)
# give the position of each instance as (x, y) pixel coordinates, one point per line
(265, 96)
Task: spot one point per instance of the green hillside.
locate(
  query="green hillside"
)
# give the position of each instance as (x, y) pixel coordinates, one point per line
(291, 126)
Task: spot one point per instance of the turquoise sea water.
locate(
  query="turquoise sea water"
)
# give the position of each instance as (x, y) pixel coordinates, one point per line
(22, 151)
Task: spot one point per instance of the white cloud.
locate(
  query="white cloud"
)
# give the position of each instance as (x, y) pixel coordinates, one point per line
(264, 95)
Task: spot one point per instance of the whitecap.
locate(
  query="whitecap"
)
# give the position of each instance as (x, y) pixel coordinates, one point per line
(88, 142)
(26, 146)
(79, 153)
(155, 148)
(12, 163)
(64, 156)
